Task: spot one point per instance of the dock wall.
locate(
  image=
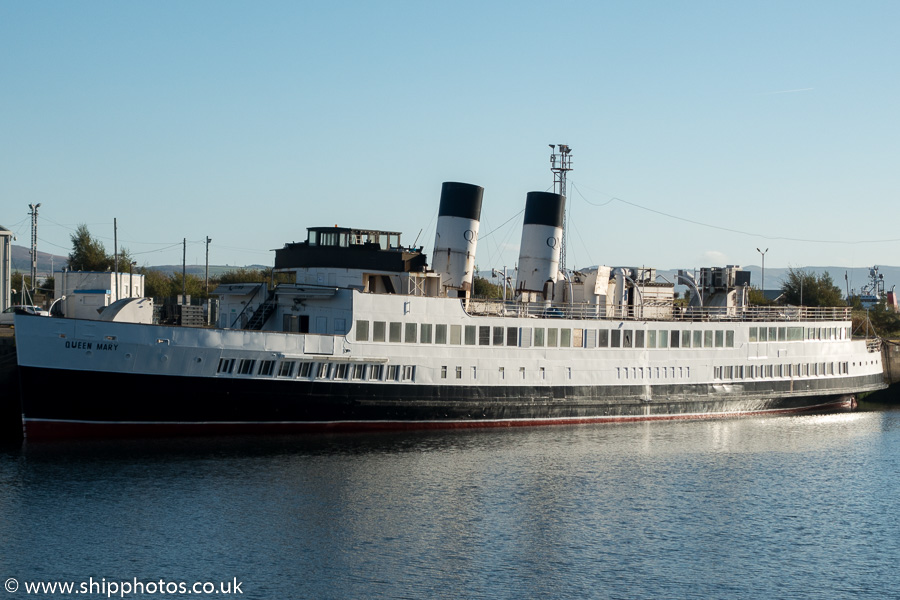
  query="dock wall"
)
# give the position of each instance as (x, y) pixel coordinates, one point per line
(10, 403)
(890, 356)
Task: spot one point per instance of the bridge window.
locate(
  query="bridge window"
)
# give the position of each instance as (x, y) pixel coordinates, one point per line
(245, 367)
(393, 373)
(341, 370)
(286, 369)
(266, 367)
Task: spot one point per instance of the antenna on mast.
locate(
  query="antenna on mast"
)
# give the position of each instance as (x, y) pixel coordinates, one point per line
(560, 164)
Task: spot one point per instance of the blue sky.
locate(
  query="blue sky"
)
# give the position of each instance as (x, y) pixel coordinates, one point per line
(701, 131)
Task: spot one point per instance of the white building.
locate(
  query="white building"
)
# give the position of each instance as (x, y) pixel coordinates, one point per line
(88, 292)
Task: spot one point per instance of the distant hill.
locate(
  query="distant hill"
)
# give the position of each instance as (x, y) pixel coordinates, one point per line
(48, 263)
(200, 270)
(20, 256)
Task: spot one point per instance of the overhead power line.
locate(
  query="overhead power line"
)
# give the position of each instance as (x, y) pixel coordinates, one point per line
(728, 229)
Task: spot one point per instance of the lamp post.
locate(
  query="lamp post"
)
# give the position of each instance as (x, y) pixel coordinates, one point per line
(763, 252)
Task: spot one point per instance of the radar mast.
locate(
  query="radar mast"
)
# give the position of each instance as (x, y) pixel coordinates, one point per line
(560, 164)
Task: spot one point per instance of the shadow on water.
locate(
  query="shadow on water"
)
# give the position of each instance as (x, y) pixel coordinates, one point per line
(254, 446)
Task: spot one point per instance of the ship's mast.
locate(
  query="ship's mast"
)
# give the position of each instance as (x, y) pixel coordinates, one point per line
(560, 164)
(34, 216)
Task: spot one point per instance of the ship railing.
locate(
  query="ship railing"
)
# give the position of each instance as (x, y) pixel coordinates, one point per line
(653, 312)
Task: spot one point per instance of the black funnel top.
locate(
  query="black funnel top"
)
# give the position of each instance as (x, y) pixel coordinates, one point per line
(544, 208)
(461, 200)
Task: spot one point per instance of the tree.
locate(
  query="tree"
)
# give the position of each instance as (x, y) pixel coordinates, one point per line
(758, 298)
(482, 288)
(156, 284)
(883, 319)
(20, 282)
(125, 259)
(88, 254)
(193, 286)
(243, 275)
(806, 289)
(49, 285)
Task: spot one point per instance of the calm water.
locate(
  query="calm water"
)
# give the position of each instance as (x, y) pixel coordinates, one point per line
(787, 507)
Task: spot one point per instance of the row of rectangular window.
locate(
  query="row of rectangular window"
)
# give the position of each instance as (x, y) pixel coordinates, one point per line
(317, 370)
(542, 372)
(781, 370)
(798, 334)
(345, 371)
(653, 372)
(550, 337)
(426, 333)
(377, 372)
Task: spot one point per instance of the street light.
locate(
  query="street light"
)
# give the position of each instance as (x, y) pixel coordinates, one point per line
(763, 252)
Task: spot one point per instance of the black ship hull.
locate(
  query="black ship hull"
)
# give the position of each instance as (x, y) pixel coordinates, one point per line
(71, 404)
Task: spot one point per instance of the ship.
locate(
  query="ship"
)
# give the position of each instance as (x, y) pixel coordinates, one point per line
(370, 335)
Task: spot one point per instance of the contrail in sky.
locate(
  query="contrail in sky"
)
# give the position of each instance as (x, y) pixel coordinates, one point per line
(786, 91)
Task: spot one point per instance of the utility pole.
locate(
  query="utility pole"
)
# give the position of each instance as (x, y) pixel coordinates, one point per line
(763, 252)
(208, 303)
(34, 215)
(184, 272)
(116, 254)
(208, 240)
